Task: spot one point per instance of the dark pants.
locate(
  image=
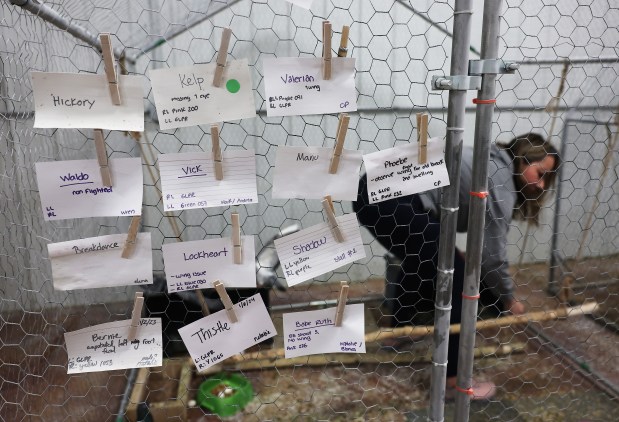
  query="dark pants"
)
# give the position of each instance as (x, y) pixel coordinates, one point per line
(411, 233)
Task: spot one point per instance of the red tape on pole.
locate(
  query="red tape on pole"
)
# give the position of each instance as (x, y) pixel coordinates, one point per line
(478, 101)
(481, 195)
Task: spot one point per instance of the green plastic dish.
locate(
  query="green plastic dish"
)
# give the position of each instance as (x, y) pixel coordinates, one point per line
(225, 394)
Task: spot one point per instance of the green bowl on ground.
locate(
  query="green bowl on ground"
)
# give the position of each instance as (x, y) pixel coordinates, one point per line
(225, 394)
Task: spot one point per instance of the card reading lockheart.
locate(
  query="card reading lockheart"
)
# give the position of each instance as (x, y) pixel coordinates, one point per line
(186, 96)
(197, 264)
(396, 172)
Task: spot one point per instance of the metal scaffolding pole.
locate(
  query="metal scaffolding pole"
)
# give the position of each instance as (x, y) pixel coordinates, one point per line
(477, 210)
(51, 16)
(449, 208)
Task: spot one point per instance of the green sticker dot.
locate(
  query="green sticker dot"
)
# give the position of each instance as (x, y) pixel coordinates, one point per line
(233, 86)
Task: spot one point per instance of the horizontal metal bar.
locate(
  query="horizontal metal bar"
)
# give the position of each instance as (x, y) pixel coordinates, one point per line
(431, 110)
(328, 302)
(580, 60)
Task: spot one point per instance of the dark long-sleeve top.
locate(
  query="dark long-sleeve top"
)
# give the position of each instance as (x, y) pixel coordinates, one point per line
(499, 208)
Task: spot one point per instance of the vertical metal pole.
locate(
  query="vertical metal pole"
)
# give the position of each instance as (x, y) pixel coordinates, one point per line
(449, 208)
(477, 210)
(553, 283)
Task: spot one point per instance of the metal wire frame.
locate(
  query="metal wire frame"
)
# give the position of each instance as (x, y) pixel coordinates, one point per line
(557, 261)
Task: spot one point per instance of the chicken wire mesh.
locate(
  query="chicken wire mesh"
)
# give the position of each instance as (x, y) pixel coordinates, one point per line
(398, 47)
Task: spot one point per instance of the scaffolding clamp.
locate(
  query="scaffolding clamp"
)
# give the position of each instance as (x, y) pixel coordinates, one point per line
(456, 83)
(492, 67)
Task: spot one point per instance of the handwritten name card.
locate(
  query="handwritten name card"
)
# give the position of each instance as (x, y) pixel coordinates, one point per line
(188, 180)
(306, 4)
(303, 172)
(396, 172)
(79, 100)
(73, 189)
(314, 251)
(106, 347)
(185, 96)
(197, 264)
(294, 86)
(214, 338)
(314, 332)
(96, 262)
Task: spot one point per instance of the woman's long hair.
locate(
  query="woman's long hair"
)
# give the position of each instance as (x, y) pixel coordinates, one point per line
(524, 150)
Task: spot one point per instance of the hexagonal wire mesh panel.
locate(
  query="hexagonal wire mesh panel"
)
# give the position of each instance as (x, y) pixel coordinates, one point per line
(398, 46)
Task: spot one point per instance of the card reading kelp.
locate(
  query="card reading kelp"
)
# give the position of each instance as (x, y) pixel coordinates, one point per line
(186, 96)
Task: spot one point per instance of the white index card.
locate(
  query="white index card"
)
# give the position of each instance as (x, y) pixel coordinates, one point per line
(294, 86)
(314, 251)
(106, 347)
(306, 4)
(303, 172)
(74, 189)
(214, 338)
(188, 180)
(314, 332)
(97, 262)
(186, 96)
(82, 101)
(396, 172)
(197, 264)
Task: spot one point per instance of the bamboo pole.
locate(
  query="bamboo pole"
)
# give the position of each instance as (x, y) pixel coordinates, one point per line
(374, 336)
(353, 358)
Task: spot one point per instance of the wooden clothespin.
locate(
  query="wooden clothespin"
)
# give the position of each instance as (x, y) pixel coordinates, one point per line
(341, 304)
(217, 158)
(138, 302)
(422, 137)
(222, 56)
(110, 67)
(340, 136)
(205, 310)
(106, 174)
(327, 206)
(236, 239)
(225, 299)
(132, 237)
(326, 50)
(343, 50)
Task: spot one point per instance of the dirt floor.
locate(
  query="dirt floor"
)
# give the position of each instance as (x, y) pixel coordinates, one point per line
(537, 381)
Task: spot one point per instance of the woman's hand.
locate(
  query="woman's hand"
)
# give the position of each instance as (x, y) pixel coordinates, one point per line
(515, 307)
